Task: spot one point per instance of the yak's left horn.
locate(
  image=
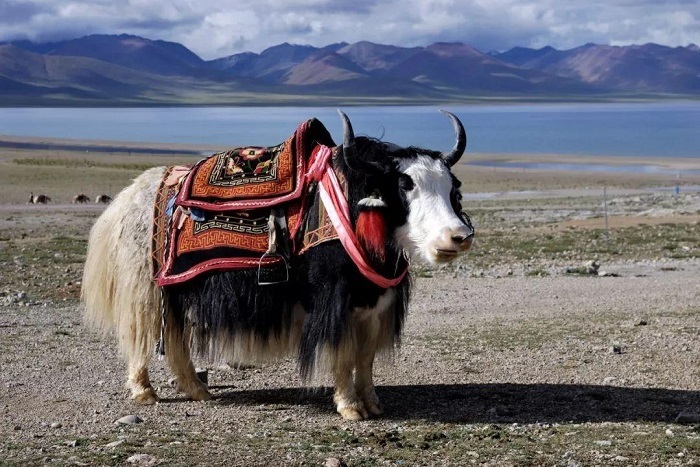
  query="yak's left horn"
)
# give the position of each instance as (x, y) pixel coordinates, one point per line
(461, 140)
(349, 149)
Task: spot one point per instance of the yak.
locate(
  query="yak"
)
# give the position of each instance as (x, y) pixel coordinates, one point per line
(328, 312)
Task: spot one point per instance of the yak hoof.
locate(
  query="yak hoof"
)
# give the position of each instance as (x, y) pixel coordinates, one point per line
(373, 408)
(354, 413)
(200, 395)
(146, 397)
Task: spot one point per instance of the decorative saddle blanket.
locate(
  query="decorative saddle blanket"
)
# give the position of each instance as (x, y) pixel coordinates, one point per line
(218, 214)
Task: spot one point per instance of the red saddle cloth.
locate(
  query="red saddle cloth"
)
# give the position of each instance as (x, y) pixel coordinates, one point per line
(214, 215)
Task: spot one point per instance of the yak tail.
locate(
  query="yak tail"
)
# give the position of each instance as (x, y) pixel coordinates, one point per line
(117, 291)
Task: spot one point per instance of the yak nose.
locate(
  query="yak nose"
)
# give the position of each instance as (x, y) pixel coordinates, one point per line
(463, 236)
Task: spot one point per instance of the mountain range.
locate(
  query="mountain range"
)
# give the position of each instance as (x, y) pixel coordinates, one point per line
(131, 70)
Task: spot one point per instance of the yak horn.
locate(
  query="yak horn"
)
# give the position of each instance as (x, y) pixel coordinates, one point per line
(460, 141)
(349, 149)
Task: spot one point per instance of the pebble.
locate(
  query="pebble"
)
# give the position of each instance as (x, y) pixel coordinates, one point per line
(56, 425)
(687, 417)
(129, 420)
(116, 443)
(143, 459)
(604, 442)
(334, 462)
(670, 433)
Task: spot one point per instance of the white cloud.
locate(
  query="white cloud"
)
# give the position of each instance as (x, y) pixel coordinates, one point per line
(214, 28)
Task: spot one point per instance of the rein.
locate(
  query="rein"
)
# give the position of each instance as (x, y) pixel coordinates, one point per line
(336, 206)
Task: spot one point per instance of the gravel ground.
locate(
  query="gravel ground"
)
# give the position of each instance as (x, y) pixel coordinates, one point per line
(496, 368)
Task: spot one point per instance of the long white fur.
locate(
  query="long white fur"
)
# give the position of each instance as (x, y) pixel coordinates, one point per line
(117, 289)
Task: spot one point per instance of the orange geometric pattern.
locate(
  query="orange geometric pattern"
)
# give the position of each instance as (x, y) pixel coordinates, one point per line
(214, 180)
(188, 241)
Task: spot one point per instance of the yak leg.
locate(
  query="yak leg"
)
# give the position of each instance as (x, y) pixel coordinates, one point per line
(177, 353)
(367, 334)
(346, 401)
(138, 382)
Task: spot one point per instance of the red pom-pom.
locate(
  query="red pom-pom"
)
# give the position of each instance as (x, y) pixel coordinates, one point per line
(370, 230)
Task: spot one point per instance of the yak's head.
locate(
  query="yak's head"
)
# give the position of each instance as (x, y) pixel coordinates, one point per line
(421, 195)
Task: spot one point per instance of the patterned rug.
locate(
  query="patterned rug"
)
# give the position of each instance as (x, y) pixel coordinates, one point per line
(215, 215)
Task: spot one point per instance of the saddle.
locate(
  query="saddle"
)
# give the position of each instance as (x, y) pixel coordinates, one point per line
(245, 208)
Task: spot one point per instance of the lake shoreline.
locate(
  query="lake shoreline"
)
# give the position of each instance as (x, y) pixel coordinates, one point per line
(63, 167)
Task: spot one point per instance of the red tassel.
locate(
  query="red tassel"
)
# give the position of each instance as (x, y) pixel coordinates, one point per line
(370, 230)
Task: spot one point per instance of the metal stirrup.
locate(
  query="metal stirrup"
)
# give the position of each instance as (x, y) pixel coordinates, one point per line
(276, 221)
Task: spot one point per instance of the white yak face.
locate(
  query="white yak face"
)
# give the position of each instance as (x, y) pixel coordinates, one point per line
(433, 230)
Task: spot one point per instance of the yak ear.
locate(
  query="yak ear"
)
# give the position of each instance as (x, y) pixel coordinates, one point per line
(351, 155)
(453, 156)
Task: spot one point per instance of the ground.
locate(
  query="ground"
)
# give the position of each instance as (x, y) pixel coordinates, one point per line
(515, 355)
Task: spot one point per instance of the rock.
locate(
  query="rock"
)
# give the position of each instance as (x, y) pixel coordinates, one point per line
(642, 322)
(604, 442)
(129, 420)
(616, 348)
(688, 417)
(609, 380)
(116, 443)
(592, 266)
(670, 433)
(56, 425)
(145, 460)
(334, 462)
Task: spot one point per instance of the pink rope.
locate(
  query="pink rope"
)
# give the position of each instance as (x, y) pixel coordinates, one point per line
(339, 213)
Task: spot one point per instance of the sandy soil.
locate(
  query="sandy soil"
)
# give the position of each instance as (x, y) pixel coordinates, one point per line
(505, 361)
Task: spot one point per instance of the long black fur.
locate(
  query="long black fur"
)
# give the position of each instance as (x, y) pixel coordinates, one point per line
(324, 280)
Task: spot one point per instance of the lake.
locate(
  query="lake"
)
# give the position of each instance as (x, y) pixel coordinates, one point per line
(659, 129)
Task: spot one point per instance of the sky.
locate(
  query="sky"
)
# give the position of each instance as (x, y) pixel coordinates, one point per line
(218, 28)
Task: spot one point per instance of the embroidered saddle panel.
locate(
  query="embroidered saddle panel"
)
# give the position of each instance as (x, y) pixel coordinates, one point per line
(254, 177)
(223, 230)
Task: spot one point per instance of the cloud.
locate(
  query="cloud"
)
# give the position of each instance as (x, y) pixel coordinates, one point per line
(215, 28)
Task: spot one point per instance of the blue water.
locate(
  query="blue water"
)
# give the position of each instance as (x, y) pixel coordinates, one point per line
(665, 129)
(589, 167)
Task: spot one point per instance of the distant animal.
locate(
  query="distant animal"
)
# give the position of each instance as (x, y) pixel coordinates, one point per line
(38, 199)
(104, 199)
(81, 198)
(344, 299)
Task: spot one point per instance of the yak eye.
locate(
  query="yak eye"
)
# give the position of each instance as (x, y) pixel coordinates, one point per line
(406, 182)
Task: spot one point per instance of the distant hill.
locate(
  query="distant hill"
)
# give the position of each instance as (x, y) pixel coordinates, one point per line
(636, 68)
(131, 70)
(160, 57)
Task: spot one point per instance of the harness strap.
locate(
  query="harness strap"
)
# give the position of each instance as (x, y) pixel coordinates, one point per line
(336, 205)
